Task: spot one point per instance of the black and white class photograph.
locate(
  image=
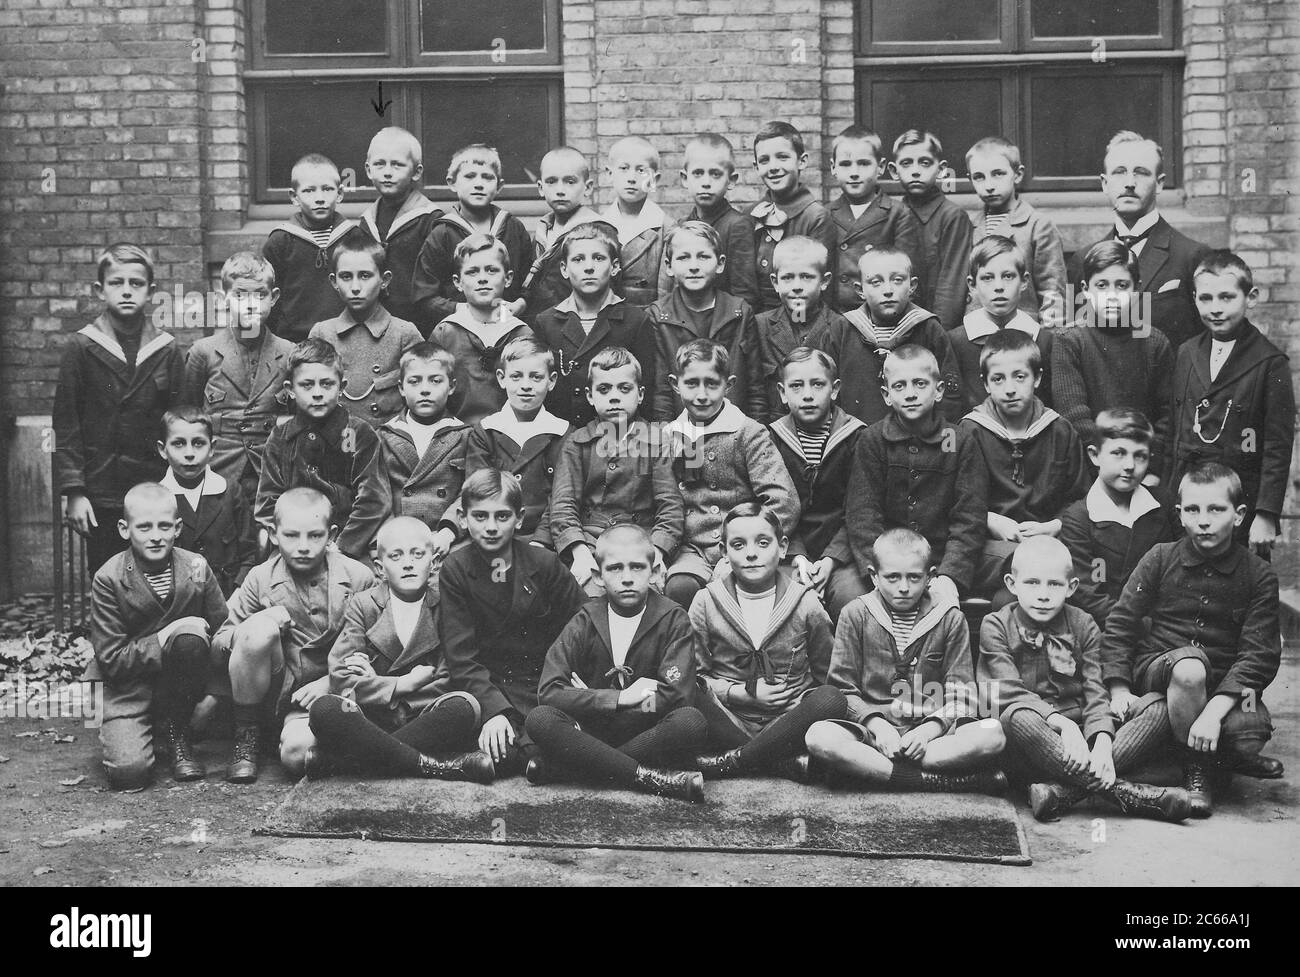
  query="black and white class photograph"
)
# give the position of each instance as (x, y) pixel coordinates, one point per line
(646, 443)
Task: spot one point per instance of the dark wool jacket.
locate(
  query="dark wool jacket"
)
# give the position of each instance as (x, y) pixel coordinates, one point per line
(662, 649)
(1248, 413)
(492, 444)
(221, 529)
(1105, 550)
(424, 486)
(617, 324)
(477, 392)
(406, 236)
(371, 353)
(544, 286)
(1227, 606)
(488, 647)
(936, 486)
(946, 233)
(967, 342)
(851, 342)
(732, 325)
(339, 457)
(778, 335)
(736, 230)
(432, 291)
(886, 223)
(803, 216)
(821, 487)
(107, 416)
(302, 274)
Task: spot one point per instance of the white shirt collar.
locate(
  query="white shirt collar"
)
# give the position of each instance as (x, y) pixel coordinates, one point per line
(1143, 225)
(212, 484)
(1102, 508)
(404, 422)
(519, 431)
(727, 421)
(570, 304)
(978, 324)
(629, 226)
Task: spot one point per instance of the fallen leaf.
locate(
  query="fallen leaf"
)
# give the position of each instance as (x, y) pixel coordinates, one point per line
(42, 870)
(53, 843)
(65, 739)
(23, 736)
(73, 782)
(4, 759)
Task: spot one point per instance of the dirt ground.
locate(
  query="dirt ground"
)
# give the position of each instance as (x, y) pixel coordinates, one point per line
(59, 830)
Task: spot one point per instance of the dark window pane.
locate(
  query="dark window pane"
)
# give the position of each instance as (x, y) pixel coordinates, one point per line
(513, 117)
(1094, 18)
(326, 26)
(454, 25)
(894, 21)
(336, 120)
(960, 110)
(1069, 142)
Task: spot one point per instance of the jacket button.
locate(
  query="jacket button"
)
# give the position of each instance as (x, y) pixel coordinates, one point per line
(613, 466)
(406, 491)
(375, 368)
(714, 509)
(844, 247)
(912, 449)
(311, 435)
(442, 493)
(374, 408)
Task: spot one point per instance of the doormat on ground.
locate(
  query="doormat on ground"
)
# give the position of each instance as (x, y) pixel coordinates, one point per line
(759, 815)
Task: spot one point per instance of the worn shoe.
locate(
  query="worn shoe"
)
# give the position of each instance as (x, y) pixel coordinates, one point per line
(1196, 781)
(537, 773)
(801, 769)
(184, 766)
(719, 765)
(977, 782)
(475, 766)
(682, 785)
(1049, 801)
(1147, 801)
(243, 762)
(1263, 767)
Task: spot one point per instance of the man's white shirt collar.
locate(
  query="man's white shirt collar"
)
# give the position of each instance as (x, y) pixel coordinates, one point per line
(1144, 224)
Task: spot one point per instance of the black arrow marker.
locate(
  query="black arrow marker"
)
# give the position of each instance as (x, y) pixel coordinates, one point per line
(380, 106)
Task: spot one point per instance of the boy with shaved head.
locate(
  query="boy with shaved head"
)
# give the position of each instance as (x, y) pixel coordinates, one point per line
(153, 609)
(283, 620)
(1040, 668)
(389, 709)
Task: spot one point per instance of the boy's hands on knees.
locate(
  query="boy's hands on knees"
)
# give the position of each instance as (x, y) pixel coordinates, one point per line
(414, 680)
(496, 737)
(279, 614)
(309, 693)
(1031, 528)
(885, 737)
(583, 567)
(1203, 736)
(1074, 746)
(943, 590)
(1003, 528)
(912, 743)
(1101, 761)
(169, 630)
(1264, 532)
(1121, 701)
(81, 514)
(637, 693)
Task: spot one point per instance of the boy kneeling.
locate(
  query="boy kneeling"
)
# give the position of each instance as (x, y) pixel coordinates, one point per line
(902, 659)
(623, 668)
(388, 710)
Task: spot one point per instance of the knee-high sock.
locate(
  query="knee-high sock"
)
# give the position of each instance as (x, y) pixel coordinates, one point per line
(446, 727)
(183, 677)
(679, 734)
(1040, 745)
(341, 727)
(575, 753)
(1141, 736)
(782, 738)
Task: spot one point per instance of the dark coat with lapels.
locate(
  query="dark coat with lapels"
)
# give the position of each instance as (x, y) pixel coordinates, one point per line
(732, 325)
(1165, 265)
(821, 487)
(338, 457)
(244, 408)
(424, 486)
(663, 649)
(804, 216)
(432, 289)
(1248, 413)
(302, 273)
(946, 233)
(778, 335)
(736, 230)
(108, 416)
(371, 352)
(886, 223)
(221, 529)
(617, 324)
(533, 463)
(496, 653)
(406, 236)
(126, 616)
(368, 629)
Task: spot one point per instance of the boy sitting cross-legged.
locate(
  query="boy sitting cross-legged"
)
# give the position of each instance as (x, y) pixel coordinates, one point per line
(284, 618)
(423, 449)
(1039, 667)
(590, 319)
(1119, 520)
(902, 659)
(617, 683)
(613, 471)
(325, 448)
(1198, 621)
(523, 438)
(153, 609)
(801, 276)
(503, 604)
(389, 710)
(818, 443)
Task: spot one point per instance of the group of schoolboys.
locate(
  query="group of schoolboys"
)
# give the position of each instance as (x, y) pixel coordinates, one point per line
(643, 503)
